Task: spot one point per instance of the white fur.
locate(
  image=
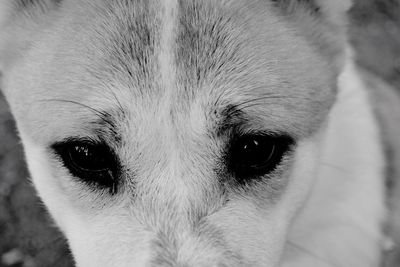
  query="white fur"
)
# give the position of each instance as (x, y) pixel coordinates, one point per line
(345, 211)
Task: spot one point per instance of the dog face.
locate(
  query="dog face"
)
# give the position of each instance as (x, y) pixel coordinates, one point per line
(172, 133)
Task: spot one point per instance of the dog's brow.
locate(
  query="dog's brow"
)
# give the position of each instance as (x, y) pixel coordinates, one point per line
(237, 119)
(231, 117)
(104, 126)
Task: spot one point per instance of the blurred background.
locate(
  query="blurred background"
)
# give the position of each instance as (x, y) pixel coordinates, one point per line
(375, 33)
(27, 235)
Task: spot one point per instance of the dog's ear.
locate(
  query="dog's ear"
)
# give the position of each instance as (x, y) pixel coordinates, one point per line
(324, 22)
(334, 11)
(21, 21)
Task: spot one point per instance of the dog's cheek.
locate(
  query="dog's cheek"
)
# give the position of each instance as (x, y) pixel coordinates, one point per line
(111, 240)
(259, 234)
(111, 237)
(303, 173)
(46, 185)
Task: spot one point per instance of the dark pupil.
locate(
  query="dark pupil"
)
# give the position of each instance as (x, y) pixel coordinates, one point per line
(88, 157)
(256, 153)
(254, 156)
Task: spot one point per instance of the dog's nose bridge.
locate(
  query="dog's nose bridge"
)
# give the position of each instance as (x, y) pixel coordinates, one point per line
(201, 246)
(182, 170)
(175, 204)
(176, 181)
(175, 201)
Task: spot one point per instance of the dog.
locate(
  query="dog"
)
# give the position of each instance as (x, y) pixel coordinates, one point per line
(201, 132)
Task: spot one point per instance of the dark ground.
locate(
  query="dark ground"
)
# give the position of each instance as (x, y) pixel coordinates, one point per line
(27, 238)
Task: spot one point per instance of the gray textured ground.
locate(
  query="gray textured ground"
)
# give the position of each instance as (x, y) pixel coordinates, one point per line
(26, 235)
(24, 227)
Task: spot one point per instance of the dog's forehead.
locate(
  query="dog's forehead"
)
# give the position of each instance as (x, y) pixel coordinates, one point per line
(204, 44)
(221, 54)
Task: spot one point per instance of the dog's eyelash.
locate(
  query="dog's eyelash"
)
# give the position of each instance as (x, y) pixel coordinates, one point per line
(234, 109)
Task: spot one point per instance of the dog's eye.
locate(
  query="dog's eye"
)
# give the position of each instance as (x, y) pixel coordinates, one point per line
(91, 162)
(256, 155)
